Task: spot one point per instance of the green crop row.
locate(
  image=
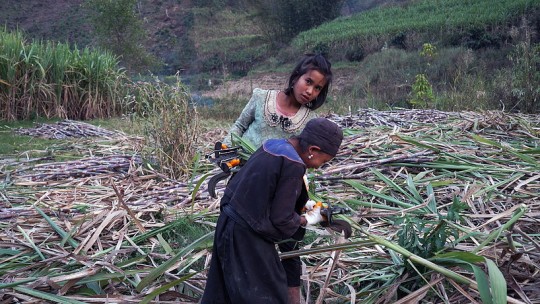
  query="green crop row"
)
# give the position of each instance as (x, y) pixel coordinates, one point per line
(426, 16)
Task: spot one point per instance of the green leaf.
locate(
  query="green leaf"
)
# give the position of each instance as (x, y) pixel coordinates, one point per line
(64, 235)
(523, 157)
(355, 202)
(463, 256)
(169, 263)
(483, 285)
(9, 252)
(46, 296)
(363, 188)
(164, 288)
(497, 283)
(412, 188)
(421, 175)
(107, 276)
(530, 151)
(92, 288)
(442, 183)
(164, 244)
(32, 244)
(390, 182)
(417, 143)
(17, 283)
(198, 186)
(432, 204)
(196, 165)
(466, 260)
(248, 147)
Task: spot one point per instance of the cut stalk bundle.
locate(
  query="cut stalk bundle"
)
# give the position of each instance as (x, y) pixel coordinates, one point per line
(66, 129)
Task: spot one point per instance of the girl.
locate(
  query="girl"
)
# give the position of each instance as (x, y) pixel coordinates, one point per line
(280, 114)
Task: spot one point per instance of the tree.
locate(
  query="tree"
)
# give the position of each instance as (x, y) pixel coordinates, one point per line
(120, 30)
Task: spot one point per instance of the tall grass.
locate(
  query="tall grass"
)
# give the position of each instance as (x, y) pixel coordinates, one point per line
(45, 79)
(171, 125)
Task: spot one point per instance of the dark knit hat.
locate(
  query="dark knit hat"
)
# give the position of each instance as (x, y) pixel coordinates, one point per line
(323, 133)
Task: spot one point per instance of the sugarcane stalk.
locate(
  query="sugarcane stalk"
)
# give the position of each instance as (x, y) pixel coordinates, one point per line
(495, 233)
(416, 259)
(321, 249)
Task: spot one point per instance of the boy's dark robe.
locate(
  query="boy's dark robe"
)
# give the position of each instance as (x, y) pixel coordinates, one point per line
(261, 206)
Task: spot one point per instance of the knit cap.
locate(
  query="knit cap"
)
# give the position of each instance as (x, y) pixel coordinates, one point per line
(323, 133)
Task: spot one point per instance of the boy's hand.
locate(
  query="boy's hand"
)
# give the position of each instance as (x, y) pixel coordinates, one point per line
(313, 216)
(309, 205)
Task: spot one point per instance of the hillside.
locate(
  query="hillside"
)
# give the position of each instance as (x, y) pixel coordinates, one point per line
(108, 201)
(177, 31)
(485, 56)
(61, 20)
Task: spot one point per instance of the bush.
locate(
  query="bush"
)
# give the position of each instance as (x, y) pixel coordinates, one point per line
(171, 125)
(284, 19)
(384, 80)
(224, 109)
(120, 30)
(422, 92)
(355, 53)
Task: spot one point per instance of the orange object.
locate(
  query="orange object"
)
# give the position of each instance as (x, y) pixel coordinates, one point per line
(224, 146)
(317, 204)
(233, 163)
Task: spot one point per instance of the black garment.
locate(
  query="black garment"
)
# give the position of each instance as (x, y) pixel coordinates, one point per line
(292, 266)
(266, 197)
(269, 191)
(245, 268)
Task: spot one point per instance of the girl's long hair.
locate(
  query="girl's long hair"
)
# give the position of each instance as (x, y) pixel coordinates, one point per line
(308, 63)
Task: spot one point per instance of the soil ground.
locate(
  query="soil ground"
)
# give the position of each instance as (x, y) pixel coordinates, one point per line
(343, 78)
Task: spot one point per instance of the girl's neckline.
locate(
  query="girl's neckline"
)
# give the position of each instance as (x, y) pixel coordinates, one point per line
(274, 117)
(282, 96)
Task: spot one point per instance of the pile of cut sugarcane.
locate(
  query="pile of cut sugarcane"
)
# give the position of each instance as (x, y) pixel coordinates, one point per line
(446, 209)
(66, 129)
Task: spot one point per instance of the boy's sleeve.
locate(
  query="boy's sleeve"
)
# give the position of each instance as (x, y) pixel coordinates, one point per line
(289, 188)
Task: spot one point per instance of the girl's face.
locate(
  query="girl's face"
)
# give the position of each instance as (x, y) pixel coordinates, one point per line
(308, 86)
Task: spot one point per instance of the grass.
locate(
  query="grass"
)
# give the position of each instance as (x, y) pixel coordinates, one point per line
(124, 124)
(14, 144)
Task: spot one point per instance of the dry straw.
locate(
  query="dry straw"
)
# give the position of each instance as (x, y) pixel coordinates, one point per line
(91, 230)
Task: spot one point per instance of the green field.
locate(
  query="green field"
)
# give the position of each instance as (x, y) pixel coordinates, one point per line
(439, 19)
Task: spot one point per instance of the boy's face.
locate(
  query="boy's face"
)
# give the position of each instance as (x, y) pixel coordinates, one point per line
(318, 159)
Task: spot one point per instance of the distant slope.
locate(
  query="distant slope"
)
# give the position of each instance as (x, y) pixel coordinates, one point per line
(59, 20)
(443, 19)
(185, 37)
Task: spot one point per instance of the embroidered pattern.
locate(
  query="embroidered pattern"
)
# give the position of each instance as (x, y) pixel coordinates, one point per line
(288, 124)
